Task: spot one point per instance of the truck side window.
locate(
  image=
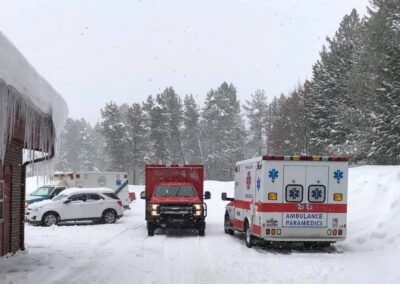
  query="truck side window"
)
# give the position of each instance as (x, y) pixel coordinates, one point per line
(294, 193)
(316, 193)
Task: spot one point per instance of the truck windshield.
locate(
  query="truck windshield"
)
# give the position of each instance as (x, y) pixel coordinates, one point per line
(175, 190)
(42, 191)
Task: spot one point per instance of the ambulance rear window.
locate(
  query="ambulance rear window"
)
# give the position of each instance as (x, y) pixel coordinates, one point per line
(294, 193)
(316, 193)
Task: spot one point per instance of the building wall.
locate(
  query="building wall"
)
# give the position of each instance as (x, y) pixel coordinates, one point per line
(13, 159)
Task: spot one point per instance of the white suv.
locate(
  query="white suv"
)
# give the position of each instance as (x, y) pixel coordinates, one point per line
(98, 204)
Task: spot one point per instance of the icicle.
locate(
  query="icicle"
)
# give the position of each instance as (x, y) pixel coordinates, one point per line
(39, 132)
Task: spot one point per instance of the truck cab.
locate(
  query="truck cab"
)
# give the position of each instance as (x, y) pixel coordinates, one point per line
(175, 198)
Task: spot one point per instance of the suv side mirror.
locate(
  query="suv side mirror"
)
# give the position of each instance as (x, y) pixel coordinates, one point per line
(207, 195)
(225, 197)
(142, 195)
(66, 201)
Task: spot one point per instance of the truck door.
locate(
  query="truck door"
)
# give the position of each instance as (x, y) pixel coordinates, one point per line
(258, 195)
(305, 188)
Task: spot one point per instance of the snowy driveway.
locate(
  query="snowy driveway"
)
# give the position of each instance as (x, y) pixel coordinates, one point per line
(122, 253)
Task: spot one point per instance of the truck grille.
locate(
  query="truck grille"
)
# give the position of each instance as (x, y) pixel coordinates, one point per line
(176, 209)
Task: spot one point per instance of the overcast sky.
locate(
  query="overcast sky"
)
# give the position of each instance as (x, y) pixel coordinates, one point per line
(93, 52)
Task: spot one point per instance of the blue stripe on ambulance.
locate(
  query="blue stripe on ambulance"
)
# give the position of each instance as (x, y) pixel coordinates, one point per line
(119, 189)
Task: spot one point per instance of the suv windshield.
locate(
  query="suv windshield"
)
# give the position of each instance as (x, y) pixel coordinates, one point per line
(59, 197)
(175, 190)
(42, 191)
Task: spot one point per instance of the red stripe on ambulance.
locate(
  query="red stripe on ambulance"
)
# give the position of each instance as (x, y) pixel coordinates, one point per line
(294, 207)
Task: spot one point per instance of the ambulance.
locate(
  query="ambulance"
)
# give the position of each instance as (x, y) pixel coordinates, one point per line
(290, 199)
(117, 181)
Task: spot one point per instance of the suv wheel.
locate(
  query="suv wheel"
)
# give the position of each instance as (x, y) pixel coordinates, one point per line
(109, 217)
(49, 219)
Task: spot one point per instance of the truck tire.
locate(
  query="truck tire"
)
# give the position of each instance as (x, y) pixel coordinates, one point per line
(227, 228)
(150, 229)
(201, 229)
(249, 238)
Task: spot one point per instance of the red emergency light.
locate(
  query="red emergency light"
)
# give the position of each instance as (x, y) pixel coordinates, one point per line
(273, 158)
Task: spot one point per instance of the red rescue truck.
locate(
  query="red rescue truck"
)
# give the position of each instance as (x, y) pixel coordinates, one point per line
(289, 198)
(174, 197)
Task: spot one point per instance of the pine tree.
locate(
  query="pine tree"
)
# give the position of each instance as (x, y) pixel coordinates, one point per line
(79, 148)
(114, 131)
(223, 132)
(256, 112)
(329, 96)
(191, 135)
(171, 107)
(379, 77)
(158, 133)
(136, 132)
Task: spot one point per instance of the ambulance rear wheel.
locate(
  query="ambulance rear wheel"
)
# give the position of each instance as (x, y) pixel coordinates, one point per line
(249, 238)
(227, 224)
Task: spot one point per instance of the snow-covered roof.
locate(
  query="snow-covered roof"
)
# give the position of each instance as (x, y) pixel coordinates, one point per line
(76, 190)
(20, 76)
(16, 71)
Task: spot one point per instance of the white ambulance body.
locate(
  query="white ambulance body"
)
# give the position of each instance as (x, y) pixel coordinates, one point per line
(117, 181)
(289, 198)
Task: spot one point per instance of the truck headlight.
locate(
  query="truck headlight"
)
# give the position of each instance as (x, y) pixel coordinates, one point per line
(198, 210)
(155, 209)
(26, 204)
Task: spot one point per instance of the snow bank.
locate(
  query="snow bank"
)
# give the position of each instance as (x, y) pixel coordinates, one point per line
(25, 82)
(374, 208)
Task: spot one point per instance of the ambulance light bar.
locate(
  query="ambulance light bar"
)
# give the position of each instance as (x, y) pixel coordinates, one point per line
(304, 158)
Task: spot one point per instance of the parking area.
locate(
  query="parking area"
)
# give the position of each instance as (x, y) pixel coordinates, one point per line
(123, 253)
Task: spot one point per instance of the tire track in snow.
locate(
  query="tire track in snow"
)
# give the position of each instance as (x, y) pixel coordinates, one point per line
(69, 275)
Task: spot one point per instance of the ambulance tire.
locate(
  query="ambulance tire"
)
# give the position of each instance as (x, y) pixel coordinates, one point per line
(227, 229)
(249, 238)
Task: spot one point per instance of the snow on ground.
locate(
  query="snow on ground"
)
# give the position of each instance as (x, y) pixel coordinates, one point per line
(122, 252)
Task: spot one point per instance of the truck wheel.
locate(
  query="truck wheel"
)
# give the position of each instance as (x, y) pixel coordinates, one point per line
(202, 229)
(50, 219)
(150, 229)
(227, 224)
(249, 238)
